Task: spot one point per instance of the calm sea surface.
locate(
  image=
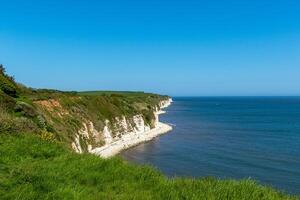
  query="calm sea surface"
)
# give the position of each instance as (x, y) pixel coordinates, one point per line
(229, 137)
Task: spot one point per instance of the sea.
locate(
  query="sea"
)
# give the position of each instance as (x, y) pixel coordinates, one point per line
(228, 137)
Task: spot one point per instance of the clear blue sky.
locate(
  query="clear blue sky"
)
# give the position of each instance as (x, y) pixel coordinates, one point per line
(175, 47)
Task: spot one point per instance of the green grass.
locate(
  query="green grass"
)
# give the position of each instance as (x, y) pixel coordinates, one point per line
(129, 93)
(31, 168)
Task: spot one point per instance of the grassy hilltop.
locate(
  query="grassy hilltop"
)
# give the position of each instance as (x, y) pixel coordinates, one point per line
(36, 161)
(59, 115)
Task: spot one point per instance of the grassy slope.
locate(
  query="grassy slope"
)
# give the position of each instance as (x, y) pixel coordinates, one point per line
(61, 115)
(32, 168)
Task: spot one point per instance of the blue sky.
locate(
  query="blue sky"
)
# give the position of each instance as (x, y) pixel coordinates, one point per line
(178, 47)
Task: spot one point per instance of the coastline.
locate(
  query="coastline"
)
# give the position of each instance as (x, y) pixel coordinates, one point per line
(133, 139)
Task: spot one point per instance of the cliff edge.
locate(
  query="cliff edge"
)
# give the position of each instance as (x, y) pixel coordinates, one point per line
(99, 122)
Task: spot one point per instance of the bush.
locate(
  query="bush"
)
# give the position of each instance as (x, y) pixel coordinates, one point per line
(25, 109)
(7, 103)
(13, 125)
(7, 83)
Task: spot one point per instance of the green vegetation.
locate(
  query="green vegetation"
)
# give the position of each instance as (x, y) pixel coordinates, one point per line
(36, 161)
(62, 114)
(7, 84)
(33, 168)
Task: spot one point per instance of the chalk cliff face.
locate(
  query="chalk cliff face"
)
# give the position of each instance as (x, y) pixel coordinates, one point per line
(166, 103)
(120, 134)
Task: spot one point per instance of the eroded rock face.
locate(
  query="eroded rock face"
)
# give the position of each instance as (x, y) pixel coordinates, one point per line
(121, 129)
(110, 133)
(166, 103)
(76, 144)
(107, 133)
(52, 105)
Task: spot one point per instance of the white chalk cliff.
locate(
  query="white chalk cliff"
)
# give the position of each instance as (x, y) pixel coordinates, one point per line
(125, 134)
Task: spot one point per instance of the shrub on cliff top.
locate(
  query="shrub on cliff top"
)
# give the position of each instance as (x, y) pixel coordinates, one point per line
(7, 83)
(11, 124)
(7, 103)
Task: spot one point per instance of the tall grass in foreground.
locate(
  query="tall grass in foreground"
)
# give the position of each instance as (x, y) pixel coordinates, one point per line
(31, 168)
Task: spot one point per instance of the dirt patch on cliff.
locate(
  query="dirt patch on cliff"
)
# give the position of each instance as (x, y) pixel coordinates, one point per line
(52, 106)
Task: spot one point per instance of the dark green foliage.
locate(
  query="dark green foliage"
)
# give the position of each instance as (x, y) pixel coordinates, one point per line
(7, 83)
(13, 124)
(31, 168)
(7, 103)
(149, 117)
(25, 109)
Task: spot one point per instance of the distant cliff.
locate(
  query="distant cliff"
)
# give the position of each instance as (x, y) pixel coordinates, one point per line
(125, 132)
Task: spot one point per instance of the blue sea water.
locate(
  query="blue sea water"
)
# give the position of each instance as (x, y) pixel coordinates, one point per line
(229, 137)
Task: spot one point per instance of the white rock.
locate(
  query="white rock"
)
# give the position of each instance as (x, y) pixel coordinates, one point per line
(130, 134)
